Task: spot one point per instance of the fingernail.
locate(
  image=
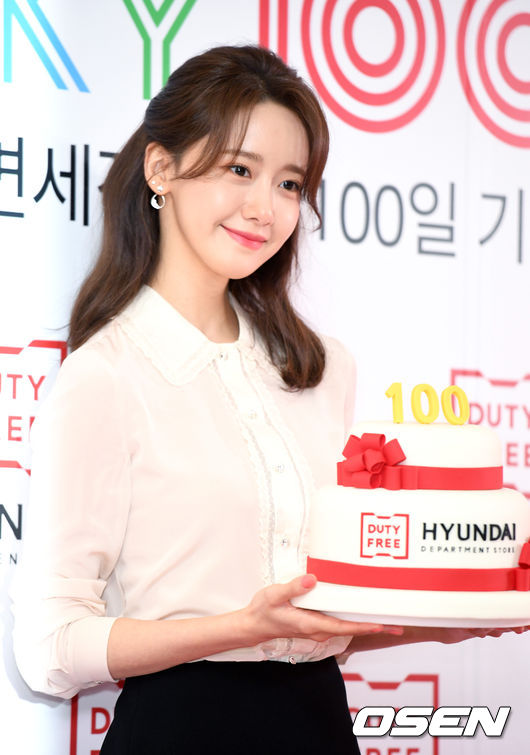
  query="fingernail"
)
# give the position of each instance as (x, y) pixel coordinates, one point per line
(309, 580)
(394, 630)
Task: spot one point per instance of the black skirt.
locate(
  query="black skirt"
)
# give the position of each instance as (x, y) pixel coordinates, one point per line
(234, 708)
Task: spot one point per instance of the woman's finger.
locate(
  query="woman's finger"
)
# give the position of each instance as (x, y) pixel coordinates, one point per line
(281, 593)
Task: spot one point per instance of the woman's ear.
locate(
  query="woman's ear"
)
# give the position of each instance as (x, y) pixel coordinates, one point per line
(156, 163)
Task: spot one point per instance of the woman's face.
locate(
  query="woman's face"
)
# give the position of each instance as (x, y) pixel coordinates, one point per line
(231, 220)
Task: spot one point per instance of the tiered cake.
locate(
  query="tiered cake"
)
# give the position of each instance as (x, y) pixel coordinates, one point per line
(420, 531)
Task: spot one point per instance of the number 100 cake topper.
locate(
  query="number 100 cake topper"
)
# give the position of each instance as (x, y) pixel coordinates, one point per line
(395, 392)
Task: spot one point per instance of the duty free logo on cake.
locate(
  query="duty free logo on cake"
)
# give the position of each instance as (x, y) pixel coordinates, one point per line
(384, 535)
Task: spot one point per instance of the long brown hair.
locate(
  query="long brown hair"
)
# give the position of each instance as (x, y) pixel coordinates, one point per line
(206, 97)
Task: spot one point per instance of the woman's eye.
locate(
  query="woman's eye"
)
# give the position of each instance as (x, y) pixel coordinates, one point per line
(239, 170)
(290, 185)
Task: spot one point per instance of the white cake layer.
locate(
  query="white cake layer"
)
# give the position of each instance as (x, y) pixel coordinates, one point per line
(420, 528)
(440, 445)
(470, 529)
(420, 607)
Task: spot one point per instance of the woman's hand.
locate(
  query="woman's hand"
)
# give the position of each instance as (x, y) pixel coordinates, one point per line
(450, 635)
(445, 635)
(271, 615)
(144, 646)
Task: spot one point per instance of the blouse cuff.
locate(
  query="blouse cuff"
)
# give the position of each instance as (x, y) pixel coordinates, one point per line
(87, 650)
(343, 658)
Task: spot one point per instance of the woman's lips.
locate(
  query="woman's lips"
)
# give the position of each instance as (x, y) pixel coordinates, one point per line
(250, 240)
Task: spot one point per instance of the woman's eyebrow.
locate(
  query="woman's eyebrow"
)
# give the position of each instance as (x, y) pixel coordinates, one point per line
(259, 158)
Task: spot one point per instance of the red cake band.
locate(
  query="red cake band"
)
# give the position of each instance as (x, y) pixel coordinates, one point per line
(406, 578)
(373, 463)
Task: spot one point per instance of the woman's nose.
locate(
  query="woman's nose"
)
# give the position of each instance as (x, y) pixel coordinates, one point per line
(259, 204)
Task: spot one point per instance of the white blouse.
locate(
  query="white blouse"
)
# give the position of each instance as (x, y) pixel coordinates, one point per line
(171, 478)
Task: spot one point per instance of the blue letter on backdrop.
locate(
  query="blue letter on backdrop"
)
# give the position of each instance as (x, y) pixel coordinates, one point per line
(12, 10)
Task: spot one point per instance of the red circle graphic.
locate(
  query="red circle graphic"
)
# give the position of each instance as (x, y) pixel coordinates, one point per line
(515, 140)
(373, 98)
(500, 102)
(521, 19)
(374, 69)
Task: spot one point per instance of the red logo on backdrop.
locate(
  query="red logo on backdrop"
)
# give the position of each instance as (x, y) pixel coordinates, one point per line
(384, 535)
(380, 82)
(504, 405)
(372, 95)
(494, 90)
(91, 714)
(414, 689)
(26, 375)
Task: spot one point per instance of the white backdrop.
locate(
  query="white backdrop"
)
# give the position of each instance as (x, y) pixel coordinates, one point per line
(422, 267)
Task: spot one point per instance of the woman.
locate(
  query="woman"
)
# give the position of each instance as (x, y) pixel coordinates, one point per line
(174, 461)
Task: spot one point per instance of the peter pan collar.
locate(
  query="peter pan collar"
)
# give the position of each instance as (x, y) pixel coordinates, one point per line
(177, 348)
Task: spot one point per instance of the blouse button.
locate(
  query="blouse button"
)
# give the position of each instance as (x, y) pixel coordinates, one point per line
(279, 468)
(292, 659)
(223, 355)
(252, 414)
(284, 542)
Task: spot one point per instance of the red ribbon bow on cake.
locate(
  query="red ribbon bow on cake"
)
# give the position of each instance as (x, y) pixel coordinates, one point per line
(371, 462)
